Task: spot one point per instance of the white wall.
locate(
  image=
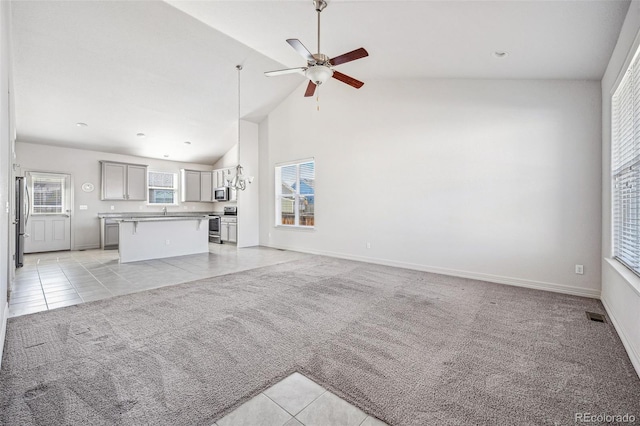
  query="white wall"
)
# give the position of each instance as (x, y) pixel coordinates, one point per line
(247, 200)
(84, 166)
(6, 156)
(498, 180)
(229, 159)
(620, 288)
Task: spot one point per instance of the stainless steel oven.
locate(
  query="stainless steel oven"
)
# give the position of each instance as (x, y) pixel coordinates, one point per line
(214, 229)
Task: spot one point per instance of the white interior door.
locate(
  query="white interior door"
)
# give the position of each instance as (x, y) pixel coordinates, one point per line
(49, 220)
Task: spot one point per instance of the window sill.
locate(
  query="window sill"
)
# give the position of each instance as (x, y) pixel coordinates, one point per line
(302, 228)
(629, 277)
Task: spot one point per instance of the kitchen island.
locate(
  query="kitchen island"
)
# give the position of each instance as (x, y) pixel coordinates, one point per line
(145, 238)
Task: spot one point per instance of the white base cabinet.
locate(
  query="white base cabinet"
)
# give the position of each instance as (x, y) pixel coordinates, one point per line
(229, 229)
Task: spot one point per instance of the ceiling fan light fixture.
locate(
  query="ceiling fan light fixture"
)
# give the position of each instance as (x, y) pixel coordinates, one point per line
(319, 74)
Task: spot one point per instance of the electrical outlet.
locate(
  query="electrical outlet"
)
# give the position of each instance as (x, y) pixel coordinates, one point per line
(368, 245)
(579, 269)
(167, 242)
(113, 207)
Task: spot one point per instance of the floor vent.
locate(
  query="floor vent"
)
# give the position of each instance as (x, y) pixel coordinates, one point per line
(596, 317)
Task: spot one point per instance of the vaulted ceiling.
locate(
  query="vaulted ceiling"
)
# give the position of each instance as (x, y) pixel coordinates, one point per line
(167, 69)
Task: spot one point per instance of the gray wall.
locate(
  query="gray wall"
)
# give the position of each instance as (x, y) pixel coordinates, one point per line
(84, 167)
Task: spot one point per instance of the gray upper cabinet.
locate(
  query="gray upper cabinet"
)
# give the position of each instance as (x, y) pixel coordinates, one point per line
(206, 186)
(122, 181)
(199, 185)
(191, 185)
(136, 182)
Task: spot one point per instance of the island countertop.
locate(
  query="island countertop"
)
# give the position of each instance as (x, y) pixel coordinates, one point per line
(128, 215)
(159, 218)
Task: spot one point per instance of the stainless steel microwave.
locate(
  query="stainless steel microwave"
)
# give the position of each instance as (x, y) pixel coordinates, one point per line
(221, 194)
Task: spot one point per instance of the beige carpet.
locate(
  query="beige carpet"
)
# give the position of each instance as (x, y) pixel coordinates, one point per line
(408, 347)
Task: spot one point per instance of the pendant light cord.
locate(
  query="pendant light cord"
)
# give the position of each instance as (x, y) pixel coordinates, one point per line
(239, 68)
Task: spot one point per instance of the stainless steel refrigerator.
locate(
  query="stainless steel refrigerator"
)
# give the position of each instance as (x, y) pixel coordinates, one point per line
(22, 217)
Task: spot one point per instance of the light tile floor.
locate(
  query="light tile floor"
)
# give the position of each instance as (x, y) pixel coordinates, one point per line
(297, 400)
(56, 279)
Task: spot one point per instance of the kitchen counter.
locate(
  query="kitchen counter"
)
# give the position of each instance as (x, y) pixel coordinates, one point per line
(145, 238)
(119, 215)
(160, 218)
(110, 221)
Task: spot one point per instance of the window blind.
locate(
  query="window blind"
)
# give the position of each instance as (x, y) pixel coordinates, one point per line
(161, 180)
(295, 194)
(162, 187)
(625, 136)
(47, 195)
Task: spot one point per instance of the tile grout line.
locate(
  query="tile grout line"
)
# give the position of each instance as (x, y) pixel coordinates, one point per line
(44, 296)
(95, 278)
(74, 287)
(303, 408)
(365, 419)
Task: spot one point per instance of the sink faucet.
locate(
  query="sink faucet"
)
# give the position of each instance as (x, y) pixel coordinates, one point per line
(164, 210)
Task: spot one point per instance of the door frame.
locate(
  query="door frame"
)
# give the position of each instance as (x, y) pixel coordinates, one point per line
(71, 199)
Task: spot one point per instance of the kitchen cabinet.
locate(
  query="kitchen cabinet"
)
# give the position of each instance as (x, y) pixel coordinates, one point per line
(233, 232)
(190, 185)
(218, 178)
(122, 181)
(111, 235)
(228, 229)
(206, 186)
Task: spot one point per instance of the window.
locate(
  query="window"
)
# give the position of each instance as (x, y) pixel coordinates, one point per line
(47, 194)
(295, 194)
(625, 168)
(163, 188)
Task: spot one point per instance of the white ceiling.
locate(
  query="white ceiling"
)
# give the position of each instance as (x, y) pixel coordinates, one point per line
(168, 70)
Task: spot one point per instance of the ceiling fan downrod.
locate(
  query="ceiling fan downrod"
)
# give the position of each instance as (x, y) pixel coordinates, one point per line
(319, 5)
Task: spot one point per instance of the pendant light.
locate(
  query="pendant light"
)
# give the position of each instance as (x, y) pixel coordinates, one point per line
(238, 181)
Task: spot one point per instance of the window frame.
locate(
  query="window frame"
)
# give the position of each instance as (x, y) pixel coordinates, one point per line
(625, 169)
(176, 186)
(296, 196)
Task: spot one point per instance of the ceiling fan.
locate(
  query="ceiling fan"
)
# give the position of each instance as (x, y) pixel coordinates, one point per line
(319, 66)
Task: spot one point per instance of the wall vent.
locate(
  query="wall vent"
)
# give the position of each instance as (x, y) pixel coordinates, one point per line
(596, 317)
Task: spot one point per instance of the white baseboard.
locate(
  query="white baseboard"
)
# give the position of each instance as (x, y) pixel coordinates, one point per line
(86, 247)
(518, 282)
(634, 356)
(3, 330)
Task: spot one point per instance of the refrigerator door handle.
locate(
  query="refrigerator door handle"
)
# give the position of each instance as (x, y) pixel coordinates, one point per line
(26, 219)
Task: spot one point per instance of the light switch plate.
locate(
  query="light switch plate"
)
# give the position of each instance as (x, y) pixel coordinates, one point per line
(83, 207)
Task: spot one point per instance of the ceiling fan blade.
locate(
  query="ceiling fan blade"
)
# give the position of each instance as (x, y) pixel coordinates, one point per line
(346, 79)
(285, 71)
(303, 51)
(348, 57)
(311, 89)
